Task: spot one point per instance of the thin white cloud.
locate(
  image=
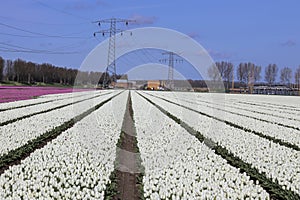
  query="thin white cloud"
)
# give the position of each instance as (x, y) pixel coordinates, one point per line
(219, 55)
(133, 8)
(143, 20)
(289, 43)
(193, 35)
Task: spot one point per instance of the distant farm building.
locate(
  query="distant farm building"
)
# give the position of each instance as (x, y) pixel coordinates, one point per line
(277, 90)
(155, 84)
(125, 84)
(269, 90)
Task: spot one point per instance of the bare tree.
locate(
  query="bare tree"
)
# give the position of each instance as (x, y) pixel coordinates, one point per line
(221, 66)
(1, 68)
(30, 68)
(286, 75)
(253, 75)
(271, 73)
(18, 68)
(242, 73)
(248, 73)
(257, 72)
(297, 77)
(250, 68)
(228, 74)
(214, 73)
(9, 70)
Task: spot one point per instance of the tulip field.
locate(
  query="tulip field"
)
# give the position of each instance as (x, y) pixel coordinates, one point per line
(13, 93)
(190, 145)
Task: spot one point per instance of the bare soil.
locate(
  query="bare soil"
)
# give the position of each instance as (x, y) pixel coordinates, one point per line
(127, 173)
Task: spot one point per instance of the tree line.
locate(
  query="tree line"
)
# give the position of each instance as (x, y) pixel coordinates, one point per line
(245, 73)
(32, 73)
(250, 74)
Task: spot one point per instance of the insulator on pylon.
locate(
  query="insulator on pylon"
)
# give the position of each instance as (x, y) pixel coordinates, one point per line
(103, 34)
(126, 23)
(131, 33)
(99, 24)
(94, 34)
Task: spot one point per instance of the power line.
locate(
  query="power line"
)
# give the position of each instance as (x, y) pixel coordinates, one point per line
(127, 59)
(33, 51)
(144, 51)
(20, 49)
(139, 56)
(11, 50)
(40, 34)
(41, 23)
(151, 54)
(73, 45)
(61, 11)
(25, 36)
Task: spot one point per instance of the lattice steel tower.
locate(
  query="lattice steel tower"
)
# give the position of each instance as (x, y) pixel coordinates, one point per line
(111, 63)
(170, 83)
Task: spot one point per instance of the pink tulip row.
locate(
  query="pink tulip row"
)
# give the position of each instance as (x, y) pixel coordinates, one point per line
(16, 93)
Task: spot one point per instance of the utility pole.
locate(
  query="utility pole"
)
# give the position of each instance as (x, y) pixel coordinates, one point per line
(170, 83)
(111, 63)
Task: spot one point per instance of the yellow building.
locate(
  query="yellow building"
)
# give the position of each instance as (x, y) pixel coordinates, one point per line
(155, 84)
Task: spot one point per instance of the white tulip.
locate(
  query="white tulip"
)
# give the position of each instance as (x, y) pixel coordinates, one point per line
(211, 168)
(59, 159)
(264, 155)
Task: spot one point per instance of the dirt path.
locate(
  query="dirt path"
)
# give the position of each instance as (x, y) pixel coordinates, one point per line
(128, 172)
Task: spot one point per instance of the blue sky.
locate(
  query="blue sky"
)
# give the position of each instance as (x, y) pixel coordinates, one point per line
(60, 31)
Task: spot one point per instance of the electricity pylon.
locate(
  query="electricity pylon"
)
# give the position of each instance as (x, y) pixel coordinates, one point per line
(111, 63)
(170, 83)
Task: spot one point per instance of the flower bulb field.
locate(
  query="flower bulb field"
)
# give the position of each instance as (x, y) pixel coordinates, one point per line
(133, 144)
(13, 93)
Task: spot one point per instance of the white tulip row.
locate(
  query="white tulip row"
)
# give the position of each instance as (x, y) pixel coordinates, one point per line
(20, 112)
(278, 162)
(285, 105)
(290, 113)
(280, 107)
(41, 99)
(289, 135)
(278, 114)
(178, 166)
(260, 111)
(75, 165)
(272, 115)
(274, 102)
(17, 134)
